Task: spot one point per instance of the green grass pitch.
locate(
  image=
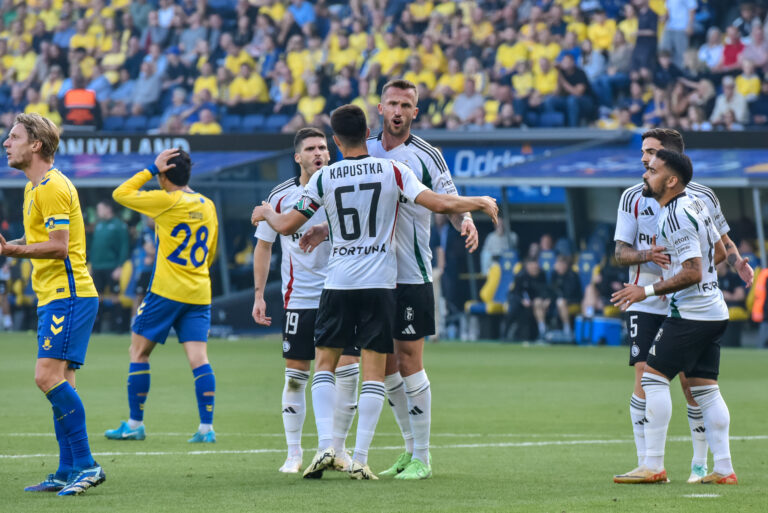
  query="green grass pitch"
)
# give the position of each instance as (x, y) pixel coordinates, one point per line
(514, 429)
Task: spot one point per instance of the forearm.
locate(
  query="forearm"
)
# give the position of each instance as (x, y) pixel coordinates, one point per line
(689, 275)
(627, 255)
(261, 256)
(279, 222)
(732, 254)
(457, 205)
(50, 249)
(458, 219)
(128, 189)
(18, 242)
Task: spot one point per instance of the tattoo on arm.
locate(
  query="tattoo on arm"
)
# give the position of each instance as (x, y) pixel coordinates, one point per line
(732, 259)
(627, 255)
(690, 274)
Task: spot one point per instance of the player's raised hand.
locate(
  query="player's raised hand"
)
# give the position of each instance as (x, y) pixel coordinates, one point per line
(313, 237)
(745, 271)
(658, 256)
(259, 212)
(259, 312)
(489, 206)
(627, 296)
(469, 231)
(162, 160)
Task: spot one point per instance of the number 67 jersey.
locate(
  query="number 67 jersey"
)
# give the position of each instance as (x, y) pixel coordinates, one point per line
(361, 199)
(186, 230)
(687, 231)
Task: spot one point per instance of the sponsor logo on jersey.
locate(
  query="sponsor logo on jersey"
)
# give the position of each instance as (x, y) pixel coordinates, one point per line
(681, 240)
(635, 350)
(644, 237)
(359, 250)
(409, 313)
(196, 215)
(286, 346)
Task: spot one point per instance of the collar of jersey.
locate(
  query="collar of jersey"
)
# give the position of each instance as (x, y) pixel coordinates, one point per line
(41, 181)
(406, 142)
(359, 157)
(681, 195)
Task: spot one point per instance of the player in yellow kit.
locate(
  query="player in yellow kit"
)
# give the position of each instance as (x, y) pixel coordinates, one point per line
(67, 302)
(179, 292)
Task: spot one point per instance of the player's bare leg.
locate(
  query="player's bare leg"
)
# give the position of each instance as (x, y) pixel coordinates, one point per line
(323, 401)
(698, 433)
(540, 307)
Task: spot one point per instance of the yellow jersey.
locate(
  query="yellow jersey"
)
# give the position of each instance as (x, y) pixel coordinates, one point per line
(51, 206)
(186, 229)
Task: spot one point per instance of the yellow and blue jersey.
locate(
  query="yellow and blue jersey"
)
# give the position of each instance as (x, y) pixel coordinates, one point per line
(186, 229)
(51, 206)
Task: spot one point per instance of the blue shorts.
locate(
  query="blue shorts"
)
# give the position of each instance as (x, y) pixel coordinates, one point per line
(64, 327)
(157, 315)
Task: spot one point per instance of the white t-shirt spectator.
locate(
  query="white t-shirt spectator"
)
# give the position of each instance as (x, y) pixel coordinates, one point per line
(678, 11)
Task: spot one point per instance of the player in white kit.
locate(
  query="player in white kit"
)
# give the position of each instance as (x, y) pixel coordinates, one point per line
(689, 338)
(303, 276)
(408, 388)
(636, 223)
(361, 195)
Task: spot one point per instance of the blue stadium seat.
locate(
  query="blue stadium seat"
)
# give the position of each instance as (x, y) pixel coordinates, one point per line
(547, 259)
(501, 275)
(552, 119)
(276, 122)
(154, 122)
(136, 124)
(113, 124)
(253, 123)
(588, 260)
(231, 122)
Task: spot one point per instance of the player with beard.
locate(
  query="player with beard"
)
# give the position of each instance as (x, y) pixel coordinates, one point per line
(638, 215)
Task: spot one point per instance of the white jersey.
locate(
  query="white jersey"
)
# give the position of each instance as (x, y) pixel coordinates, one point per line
(636, 224)
(687, 231)
(414, 256)
(361, 198)
(303, 274)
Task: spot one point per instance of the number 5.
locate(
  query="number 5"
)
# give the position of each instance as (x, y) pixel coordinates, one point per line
(633, 326)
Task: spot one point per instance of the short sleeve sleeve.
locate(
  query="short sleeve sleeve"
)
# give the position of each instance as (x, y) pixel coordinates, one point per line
(55, 203)
(685, 240)
(626, 221)
(409, 185)
(312, 197)
(264, 231)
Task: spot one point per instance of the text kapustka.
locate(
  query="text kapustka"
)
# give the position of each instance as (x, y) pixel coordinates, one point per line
(359, 250)
(364, 168)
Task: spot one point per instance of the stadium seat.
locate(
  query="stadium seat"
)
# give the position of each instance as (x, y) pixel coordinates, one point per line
(136, 124)
(231, 122)
(588, 262)
(253, 123)
(276, 122)
(547, 259)
(154, 122)
(113, 124)
(552, 119)
(493, 294)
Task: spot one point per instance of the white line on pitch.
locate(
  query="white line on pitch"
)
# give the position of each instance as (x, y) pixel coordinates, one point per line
(385, 448)
(313, 435)
(701, 495)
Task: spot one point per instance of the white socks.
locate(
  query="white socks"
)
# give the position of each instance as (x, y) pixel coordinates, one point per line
(399, 403)
(637, 414)
(717, 420)
(323, 400)
(698, 435)
(203, 429)
(371, 401)
(419, 408)
(135, 424)
(658, 411)
(294, 408)
(347, 378)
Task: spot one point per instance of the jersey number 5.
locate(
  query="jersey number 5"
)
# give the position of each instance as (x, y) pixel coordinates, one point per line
(352, 212)
(201, 243)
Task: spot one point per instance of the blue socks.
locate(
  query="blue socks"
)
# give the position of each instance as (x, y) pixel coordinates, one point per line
(65, 451)
(138, 388)
(205, 388)
(70, 415)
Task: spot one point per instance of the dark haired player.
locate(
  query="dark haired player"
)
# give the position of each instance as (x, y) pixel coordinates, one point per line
(179, 293)
(689, 338)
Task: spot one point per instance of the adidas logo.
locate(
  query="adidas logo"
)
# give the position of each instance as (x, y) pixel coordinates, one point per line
(289, 410)
(647, 212)
(652, 350)
(415, 411)
(699, 429)
(641, 421)
(409, 330)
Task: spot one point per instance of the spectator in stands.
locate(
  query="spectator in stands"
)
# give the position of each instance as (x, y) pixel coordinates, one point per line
(341, 94)
(657, 110)
(500, 240)
(756, 50)
(597, 295)
(759, 107)
(570, 45)
(177, 73)
(731, 101)
(139, 11)
(134, 57)
(592, 62)
(99, 84)
(644, 54)
(165, 13)
(566, 293)
(731, 50)
(173, 126)
(418, 75)
(80, 106)
(215, 32)
(574, 94)
(248, 92)
(156, 57)
(747, 83)
(51, 84)
(192, 33)
(732, 286)
(178, 105)
(711, 52)
(678, 28)
(146, 91)
(467, 101)
(636, 104)
(284, 92)
(601, 30)
(206, 81)
(666, 73)
(465, 46)
(528, 299)
(24, 62)
(109, 248)
(747, 16)
(309, 109)
(200, 101)
(207, 124)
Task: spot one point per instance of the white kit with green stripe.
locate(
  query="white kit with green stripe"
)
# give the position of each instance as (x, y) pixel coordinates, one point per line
(687, 231)
(414, 257)
(361, 197)
(636, 224)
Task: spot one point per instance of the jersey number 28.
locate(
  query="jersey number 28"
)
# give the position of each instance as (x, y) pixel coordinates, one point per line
(201, 243)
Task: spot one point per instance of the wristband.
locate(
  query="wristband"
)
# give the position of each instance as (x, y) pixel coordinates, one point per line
(649, 290)
(467, 217)
(153, 169)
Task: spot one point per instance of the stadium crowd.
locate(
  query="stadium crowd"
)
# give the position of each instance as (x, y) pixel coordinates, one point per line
(197, 67)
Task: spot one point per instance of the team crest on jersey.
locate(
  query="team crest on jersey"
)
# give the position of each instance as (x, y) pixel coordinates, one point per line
(635, 350)
(47, 343)
(50, 223)
(408, 313)
(658, 335)
(286, 346)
